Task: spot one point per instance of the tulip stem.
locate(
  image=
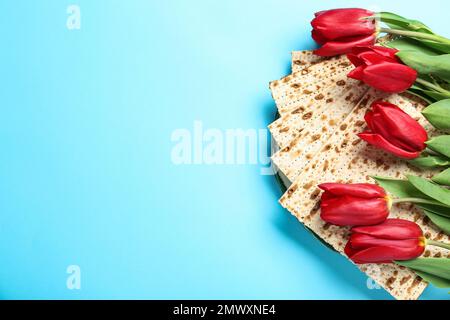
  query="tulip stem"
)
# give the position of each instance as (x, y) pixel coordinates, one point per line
(418, 201)
(438, 244)
(432, 86)
(415, 34)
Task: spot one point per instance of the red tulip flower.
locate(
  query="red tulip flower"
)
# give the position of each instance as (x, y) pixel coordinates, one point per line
(379, 68)
(339, 30)
(394, 239)
(393, 130)
(354, 204)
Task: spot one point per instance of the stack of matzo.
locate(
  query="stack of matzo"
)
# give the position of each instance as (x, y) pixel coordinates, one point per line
(321, 111)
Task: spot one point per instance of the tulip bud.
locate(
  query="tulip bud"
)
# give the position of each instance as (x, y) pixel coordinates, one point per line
(339, 30)
(379, 68)
(393, 130)
(353, 204)
(394, 239)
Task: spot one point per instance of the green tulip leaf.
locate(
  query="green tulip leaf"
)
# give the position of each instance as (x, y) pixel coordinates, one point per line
(438, 114)
(433, 270)
(430, 161)
(437, 46)
(437, 281)
(443, 177)
(427, 64)
(423, 92)
(440, 144)
(431, 189)
(445, 85)
(400, 188)
(439, 215)
(441, 222)
(436, 209)
(405, 44)
(398, 22)
(437, 95)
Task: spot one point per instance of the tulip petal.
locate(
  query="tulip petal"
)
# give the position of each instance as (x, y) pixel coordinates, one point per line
(393, 239)
(344, 45)
(339, 23)
(361, 190)
(368, 117)
(380, 142)
(367, 55)
(370, 58)
(355, 60)
(356, 73)
(402, 129)
(389, 77)
(319, 13)
(349, 251)
(363, 241)
(381, 126)
(388, 54)
(351, 211)
(318, 37)
(327, 195)
(383, 254)
(378, 104)
(392, 229)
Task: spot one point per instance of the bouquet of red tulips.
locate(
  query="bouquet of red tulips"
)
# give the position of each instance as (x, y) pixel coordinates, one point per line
(336, 112)
(375, 238)
(415, 59)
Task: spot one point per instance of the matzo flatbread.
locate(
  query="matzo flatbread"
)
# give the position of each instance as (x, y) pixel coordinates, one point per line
(306, 84)
(325, 110)
(304, 59)
(302, 148)
(345, 158)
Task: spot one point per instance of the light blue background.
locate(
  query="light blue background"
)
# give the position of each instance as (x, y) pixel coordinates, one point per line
(86, 174)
